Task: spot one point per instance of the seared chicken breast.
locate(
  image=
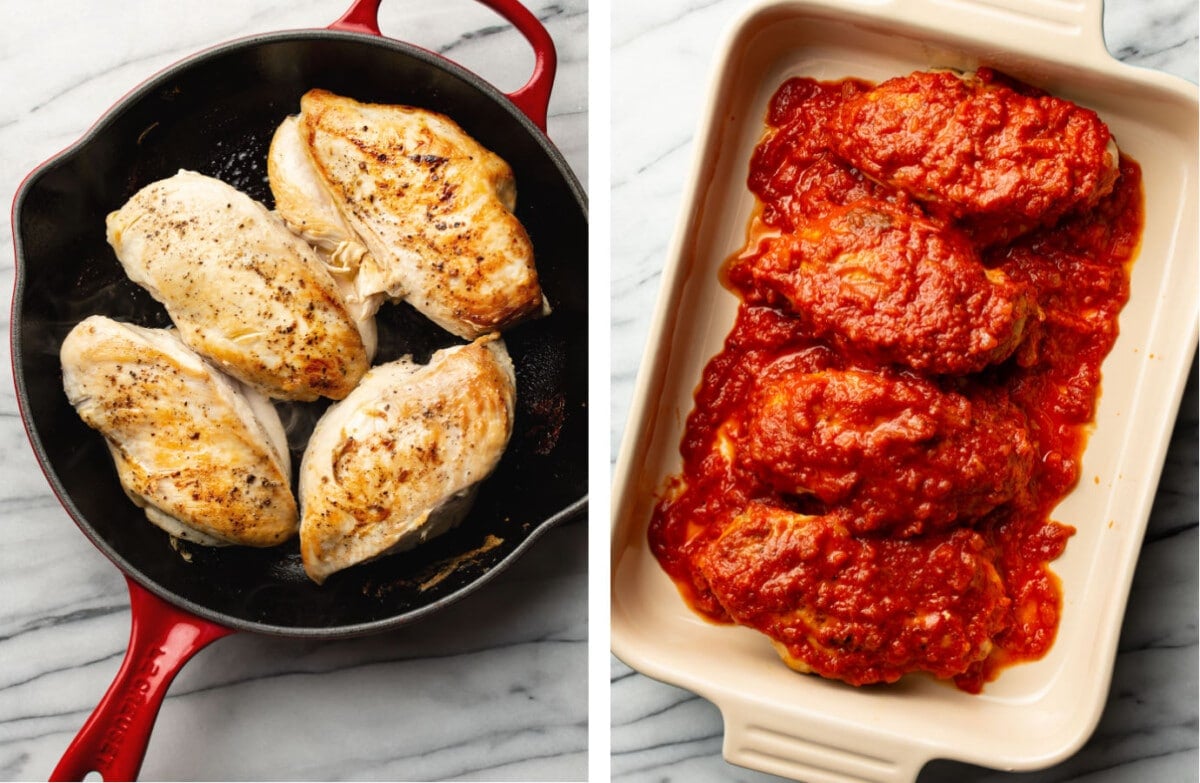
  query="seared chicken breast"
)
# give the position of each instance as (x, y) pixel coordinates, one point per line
(397, 462)
(432, 206)
(204, 456)
(243, 290)
(304, 203)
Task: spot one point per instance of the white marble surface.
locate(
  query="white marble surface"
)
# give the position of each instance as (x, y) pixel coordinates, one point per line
(660, 733)
(492, 688)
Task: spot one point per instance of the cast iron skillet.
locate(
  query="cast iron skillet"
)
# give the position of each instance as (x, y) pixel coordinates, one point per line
(215, 113)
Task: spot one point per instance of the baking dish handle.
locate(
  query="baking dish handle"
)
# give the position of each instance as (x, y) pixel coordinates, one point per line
(759, 737)
(533, 98)
(1017, 25)
(162, 639)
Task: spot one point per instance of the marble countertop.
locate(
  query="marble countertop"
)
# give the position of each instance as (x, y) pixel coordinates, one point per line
(493, 687)
(659, 732)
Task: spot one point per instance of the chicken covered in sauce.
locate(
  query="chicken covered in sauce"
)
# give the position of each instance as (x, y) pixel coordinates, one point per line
(998, 156)
(861, 608)
(928, 289)
(891, 452)
(891, 285)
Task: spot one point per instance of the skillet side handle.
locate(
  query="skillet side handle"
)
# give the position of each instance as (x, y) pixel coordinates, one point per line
(533, 98)
(162, 639)
(363, 17)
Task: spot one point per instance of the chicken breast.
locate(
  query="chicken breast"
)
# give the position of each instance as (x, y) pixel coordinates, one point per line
(862, 610)
(880, 281)
(243, 290)
(204, 456)
(398, 461)
(304, 203)
(896, 452)
(1002, 158)
(433, 207)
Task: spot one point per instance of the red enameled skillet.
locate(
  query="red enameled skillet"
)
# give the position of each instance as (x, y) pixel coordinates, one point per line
(215, 113)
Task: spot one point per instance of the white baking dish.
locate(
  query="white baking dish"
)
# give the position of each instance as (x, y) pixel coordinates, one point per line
(1034, 714)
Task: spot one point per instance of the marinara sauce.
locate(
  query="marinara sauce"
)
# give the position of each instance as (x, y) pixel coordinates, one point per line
(1078, 272)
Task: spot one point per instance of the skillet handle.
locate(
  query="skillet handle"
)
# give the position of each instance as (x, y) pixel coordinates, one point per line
(533, 98)
(161, 640)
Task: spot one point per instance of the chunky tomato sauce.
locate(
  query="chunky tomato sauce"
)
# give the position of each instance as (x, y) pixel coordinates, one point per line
(959, 594)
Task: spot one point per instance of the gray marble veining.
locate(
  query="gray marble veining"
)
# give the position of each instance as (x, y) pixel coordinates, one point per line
(1148, 731)
(494, 687)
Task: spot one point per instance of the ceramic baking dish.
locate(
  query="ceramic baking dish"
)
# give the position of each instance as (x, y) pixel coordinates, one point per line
(1034, 714)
